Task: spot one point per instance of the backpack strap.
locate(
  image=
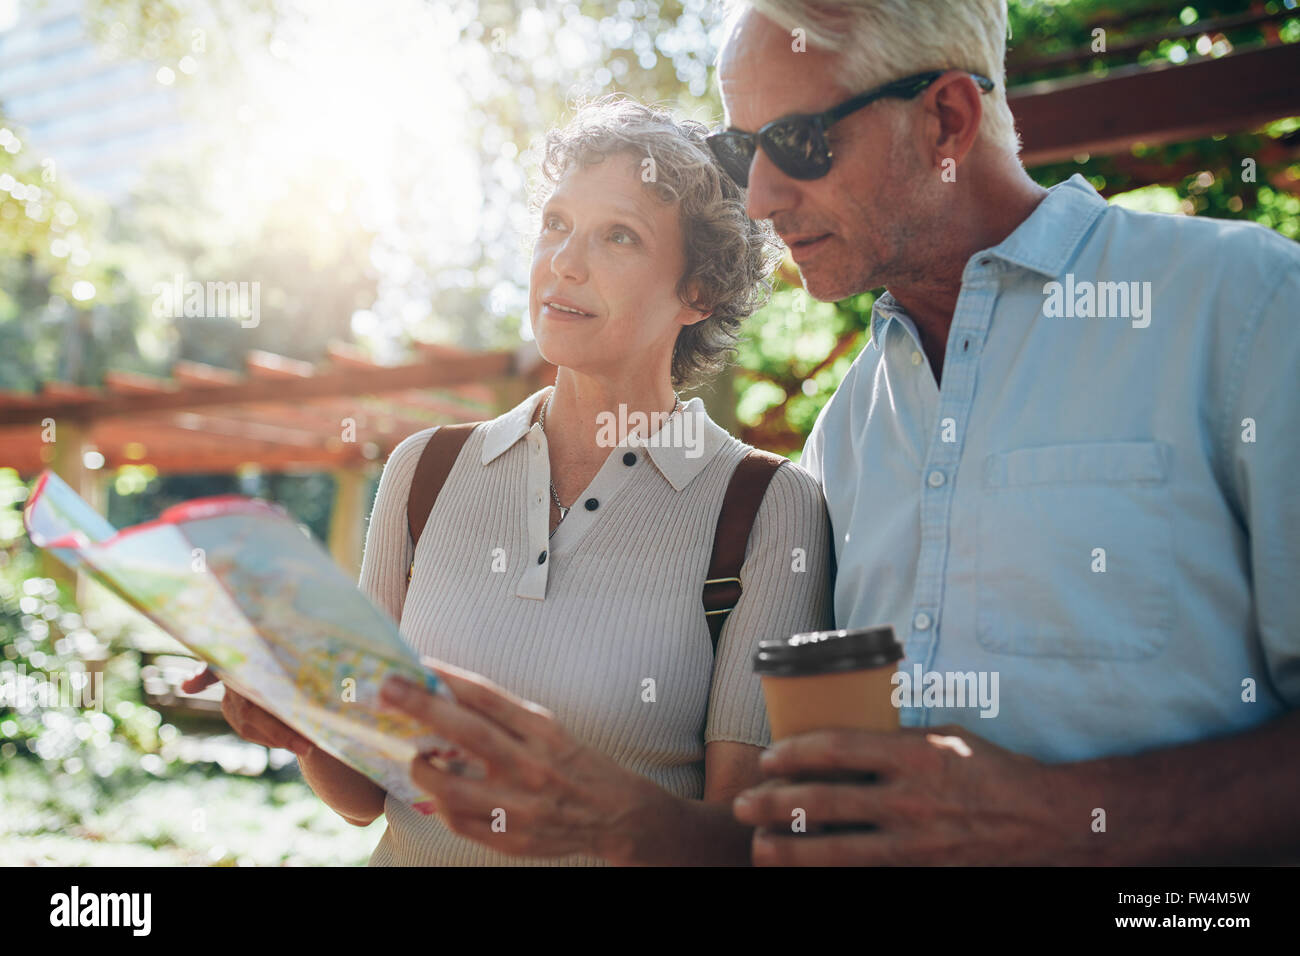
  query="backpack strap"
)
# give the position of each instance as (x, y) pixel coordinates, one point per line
(722, 587)
(431, 472)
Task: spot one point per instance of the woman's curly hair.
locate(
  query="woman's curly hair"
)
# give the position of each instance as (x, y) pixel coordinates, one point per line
(730, 258)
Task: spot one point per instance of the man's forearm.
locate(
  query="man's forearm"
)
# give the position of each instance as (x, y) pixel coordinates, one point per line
(1232, 800)
(351, 795)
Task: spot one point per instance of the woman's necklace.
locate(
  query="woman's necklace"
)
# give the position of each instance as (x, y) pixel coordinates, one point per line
(542, 422)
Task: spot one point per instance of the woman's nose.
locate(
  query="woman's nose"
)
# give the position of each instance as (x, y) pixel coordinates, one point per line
(569, 261)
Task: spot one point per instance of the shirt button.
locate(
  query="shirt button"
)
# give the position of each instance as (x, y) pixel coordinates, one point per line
(922, 621)
(629, 459)
(936, 479)
(916, 358)
(541, 558)
(592, 504)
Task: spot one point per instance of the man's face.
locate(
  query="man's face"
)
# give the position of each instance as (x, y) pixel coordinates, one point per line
(850, 230)
(609, 249)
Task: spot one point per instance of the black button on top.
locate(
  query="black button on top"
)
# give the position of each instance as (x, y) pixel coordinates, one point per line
(541, 558)
(629, 458)
(592, 504)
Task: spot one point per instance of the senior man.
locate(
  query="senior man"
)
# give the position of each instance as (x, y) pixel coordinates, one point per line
(1067, 457)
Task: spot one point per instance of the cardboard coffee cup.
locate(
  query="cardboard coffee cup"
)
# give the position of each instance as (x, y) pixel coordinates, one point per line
(824, 680)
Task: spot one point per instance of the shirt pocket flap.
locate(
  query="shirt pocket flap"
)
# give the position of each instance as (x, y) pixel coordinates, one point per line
(1091, 463)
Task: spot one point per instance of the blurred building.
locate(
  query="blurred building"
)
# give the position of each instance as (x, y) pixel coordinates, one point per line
(97, 118)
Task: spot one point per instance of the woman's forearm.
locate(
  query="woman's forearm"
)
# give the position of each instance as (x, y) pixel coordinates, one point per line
(664, 830)
(352, 795)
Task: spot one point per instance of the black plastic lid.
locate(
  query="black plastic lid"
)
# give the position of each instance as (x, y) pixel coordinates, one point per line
(823, 652)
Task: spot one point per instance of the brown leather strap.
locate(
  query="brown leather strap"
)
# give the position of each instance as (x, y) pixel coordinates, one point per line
(749, 482)
(431, 473)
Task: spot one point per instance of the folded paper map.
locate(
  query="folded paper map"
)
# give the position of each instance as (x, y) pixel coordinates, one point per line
(239, 583)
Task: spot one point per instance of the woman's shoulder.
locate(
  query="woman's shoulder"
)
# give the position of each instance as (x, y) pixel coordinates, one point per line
(410, 448)
(792, 489)
(791, 477)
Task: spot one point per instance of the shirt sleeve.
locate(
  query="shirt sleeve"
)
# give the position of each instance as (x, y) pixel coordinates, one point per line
(787, 590)
(1262, 434)
(811, 457)
(389, 550)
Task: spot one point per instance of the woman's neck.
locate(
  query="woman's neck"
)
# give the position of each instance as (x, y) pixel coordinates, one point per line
(587, 416)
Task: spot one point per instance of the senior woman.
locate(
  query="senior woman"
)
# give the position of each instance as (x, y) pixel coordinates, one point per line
(604, 726)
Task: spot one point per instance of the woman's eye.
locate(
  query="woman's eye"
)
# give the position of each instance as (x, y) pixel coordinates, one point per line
(550, 222)
(629, 237)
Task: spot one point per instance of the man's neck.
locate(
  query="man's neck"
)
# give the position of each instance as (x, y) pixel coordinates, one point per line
(931, 299)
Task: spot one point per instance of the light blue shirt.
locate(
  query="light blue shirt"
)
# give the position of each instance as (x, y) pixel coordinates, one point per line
(1103, 511)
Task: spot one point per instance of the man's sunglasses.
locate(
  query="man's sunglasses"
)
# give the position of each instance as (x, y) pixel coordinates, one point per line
(797, 144)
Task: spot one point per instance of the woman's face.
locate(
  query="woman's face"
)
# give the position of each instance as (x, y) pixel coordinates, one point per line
(610, 249)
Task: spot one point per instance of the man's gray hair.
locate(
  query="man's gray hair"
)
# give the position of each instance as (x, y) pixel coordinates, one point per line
(729, 257)
(883, 40)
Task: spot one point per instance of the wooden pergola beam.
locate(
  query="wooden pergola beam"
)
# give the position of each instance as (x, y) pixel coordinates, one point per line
(270, 365)
(1060, 119)
(436, 372)
(133, 383)
(345, 354)
(201, 375)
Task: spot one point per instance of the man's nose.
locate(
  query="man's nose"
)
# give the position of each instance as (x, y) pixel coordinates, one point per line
(770, 190)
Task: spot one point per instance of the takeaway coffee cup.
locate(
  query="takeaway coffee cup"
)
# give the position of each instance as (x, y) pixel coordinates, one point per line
(824, 680)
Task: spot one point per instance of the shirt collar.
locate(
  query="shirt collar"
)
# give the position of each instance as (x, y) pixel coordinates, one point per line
(1049, 238)
(883, 311)
(1044, 243)
(680, 449)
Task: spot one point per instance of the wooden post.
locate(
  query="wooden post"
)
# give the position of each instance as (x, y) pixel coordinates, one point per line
(64, 455)
(346, 517)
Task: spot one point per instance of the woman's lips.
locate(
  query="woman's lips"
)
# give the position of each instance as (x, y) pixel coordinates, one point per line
(553, 313)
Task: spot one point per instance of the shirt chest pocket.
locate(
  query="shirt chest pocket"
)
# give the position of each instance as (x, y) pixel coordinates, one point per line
(1074, 551)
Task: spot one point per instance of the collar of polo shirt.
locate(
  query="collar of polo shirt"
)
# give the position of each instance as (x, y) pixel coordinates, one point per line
(1044, 243)
(678, 462)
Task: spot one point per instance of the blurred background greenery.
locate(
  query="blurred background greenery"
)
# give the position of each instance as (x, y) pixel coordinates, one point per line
(368, 164)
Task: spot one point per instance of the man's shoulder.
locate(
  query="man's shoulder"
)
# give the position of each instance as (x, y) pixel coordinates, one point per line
(1237, 243)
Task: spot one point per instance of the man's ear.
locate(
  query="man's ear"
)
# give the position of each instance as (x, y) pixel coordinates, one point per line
(954, 105)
